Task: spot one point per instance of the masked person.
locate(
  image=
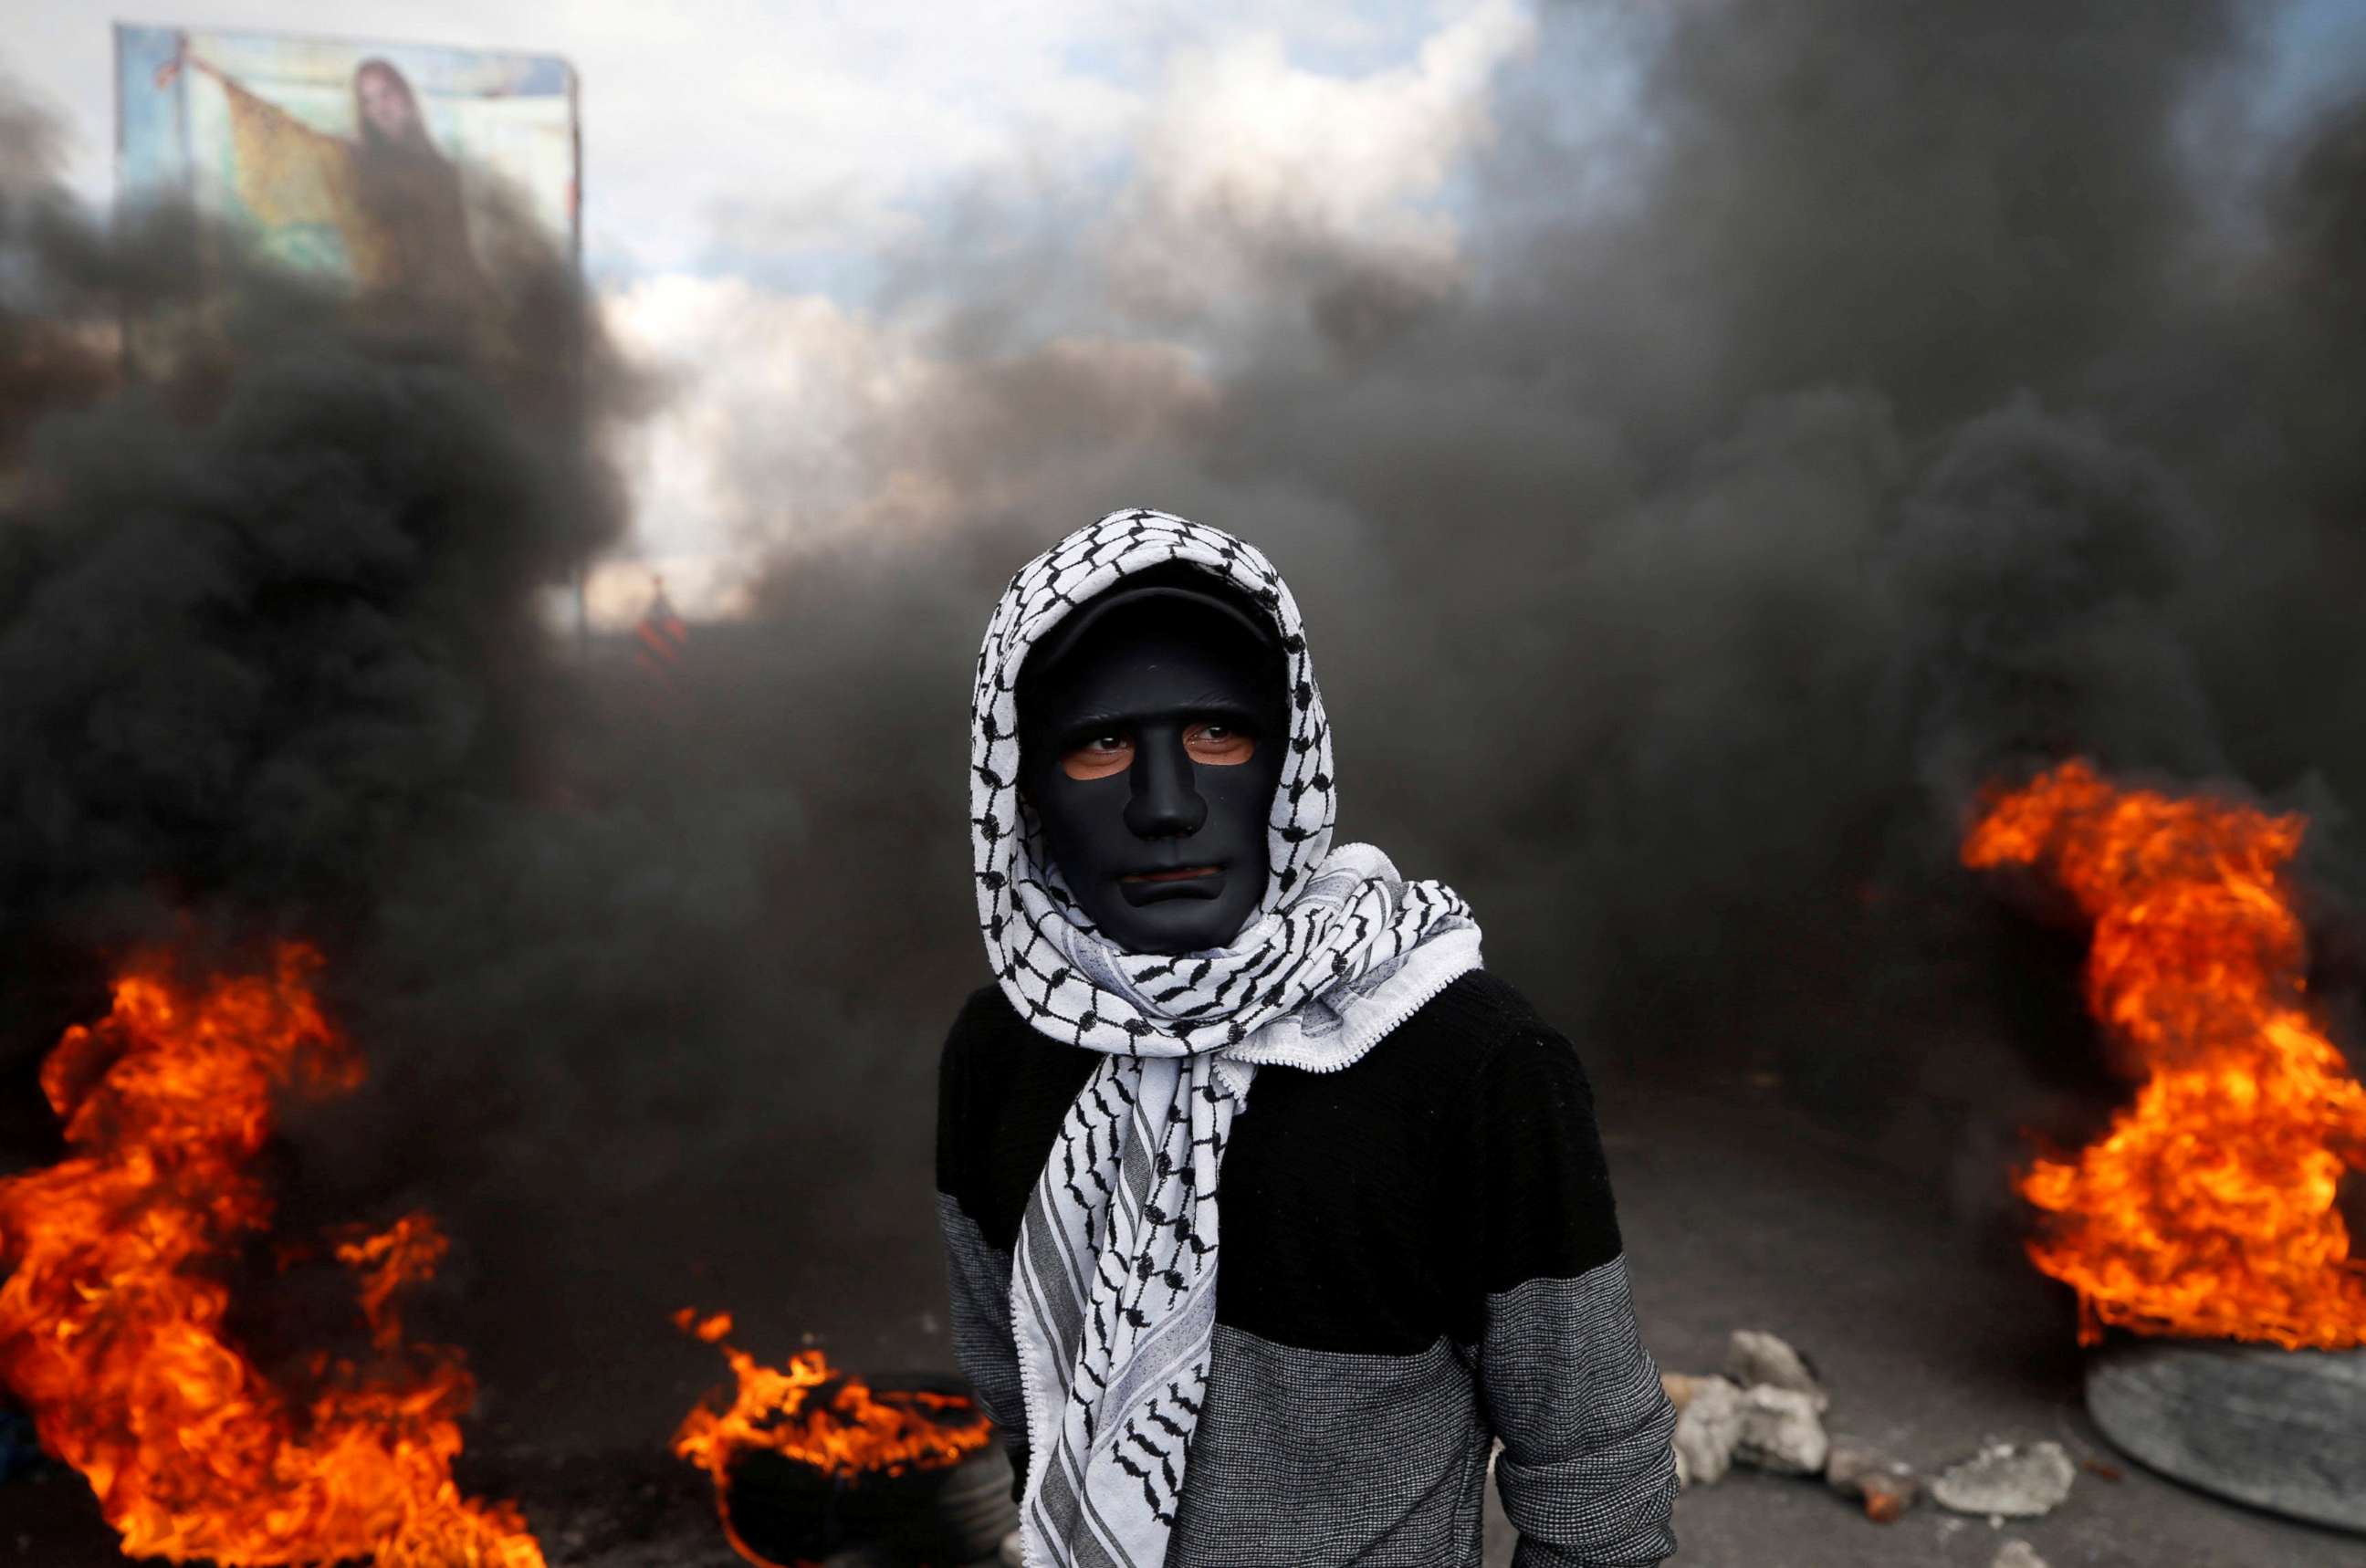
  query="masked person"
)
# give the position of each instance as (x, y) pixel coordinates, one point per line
(1268, 1210)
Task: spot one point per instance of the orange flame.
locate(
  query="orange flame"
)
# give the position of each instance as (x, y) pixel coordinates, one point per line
(2208, 1208)
(809, 1412)
(111, 1315)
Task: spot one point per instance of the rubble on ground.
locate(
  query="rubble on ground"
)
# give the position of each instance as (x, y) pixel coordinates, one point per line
(1781, 1431)
(2008, 1482)
(1766, 1411)
(1884, 1487)
(1708, 1424)
(1679, 1388)
(2017, 1554)
(1754, 1360)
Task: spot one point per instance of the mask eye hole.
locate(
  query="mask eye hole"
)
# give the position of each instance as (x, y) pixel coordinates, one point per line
(1099, 757)
(1219, 744)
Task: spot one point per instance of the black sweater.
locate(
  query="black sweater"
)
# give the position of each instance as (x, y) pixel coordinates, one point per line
(1420, 1255)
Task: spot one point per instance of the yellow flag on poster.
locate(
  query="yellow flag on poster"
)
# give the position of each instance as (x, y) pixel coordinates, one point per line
(394, 166)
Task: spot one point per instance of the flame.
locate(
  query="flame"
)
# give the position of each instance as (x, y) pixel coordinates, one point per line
(809, 1412)
(111, 1315)
(2209, 1209)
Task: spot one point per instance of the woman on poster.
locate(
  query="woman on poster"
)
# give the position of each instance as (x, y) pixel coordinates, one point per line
(392, 199)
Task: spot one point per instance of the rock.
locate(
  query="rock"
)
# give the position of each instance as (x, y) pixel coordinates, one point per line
(1679, 1387)
(2017, 1484)
(1781, 1431)
(1708, 1430)
(1885, 1487)
(1847, 1464)
(2016, 1554)
(1753, 1357)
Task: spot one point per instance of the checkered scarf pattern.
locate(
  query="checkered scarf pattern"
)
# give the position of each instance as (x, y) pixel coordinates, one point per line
(1113, 1293)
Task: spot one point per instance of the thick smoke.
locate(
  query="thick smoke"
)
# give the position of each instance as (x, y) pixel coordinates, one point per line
(1889, 399)
(268, 570)
(278, 657)
(272, 654)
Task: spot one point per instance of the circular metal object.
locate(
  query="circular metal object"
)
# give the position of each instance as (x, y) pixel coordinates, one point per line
(2280, 1429)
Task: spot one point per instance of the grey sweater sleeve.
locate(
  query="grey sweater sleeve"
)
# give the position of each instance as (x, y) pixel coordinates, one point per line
(977, 1277)
(977, 1273)
(1587, 1472)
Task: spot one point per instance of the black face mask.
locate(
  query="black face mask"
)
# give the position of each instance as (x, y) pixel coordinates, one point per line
(1152, 730)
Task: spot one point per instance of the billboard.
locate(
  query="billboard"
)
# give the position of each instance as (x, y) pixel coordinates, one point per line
(388, 165)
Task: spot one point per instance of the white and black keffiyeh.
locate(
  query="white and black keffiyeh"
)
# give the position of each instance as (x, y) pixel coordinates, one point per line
(1113, 1289)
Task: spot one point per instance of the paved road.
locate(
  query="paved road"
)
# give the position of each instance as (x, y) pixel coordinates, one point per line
(1933, 1337)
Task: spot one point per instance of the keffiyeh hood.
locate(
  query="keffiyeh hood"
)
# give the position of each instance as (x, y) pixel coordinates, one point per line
(1113, 1292)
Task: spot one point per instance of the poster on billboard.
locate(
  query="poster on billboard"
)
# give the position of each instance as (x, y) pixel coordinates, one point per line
(386, 166)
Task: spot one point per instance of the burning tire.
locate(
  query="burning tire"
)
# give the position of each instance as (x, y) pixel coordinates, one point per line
(782, 1512)
(809, 1462)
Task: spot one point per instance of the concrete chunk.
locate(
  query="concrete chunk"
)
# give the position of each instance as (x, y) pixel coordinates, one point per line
(1885, 1487)
(1781, 1431)
(2013, 1483)
(1708, 1430)
(1753, 1357)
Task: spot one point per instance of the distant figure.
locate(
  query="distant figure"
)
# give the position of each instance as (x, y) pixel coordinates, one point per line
(393, 199)
(662, 635)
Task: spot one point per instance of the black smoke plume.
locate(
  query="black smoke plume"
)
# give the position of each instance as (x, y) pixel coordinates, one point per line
(1888, 402)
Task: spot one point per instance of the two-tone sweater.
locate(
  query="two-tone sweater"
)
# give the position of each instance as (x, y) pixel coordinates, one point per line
(1421, 1258)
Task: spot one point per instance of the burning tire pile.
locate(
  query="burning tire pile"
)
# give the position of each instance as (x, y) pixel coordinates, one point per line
(113, 1330)
(810, 1463)
(2204, 1232)
(2224, 1313)
(113, 1314)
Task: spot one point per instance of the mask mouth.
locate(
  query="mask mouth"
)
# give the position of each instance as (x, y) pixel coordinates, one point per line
(1159, 884)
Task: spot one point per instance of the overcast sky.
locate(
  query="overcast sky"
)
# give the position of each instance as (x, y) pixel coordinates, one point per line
(746, 166)
(751, 172)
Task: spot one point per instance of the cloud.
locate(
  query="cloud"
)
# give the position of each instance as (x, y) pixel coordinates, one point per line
(1246, 194)
(767, 395)
(1245, 158)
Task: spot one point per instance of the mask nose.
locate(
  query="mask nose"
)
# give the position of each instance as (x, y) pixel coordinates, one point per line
(1164, 803)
